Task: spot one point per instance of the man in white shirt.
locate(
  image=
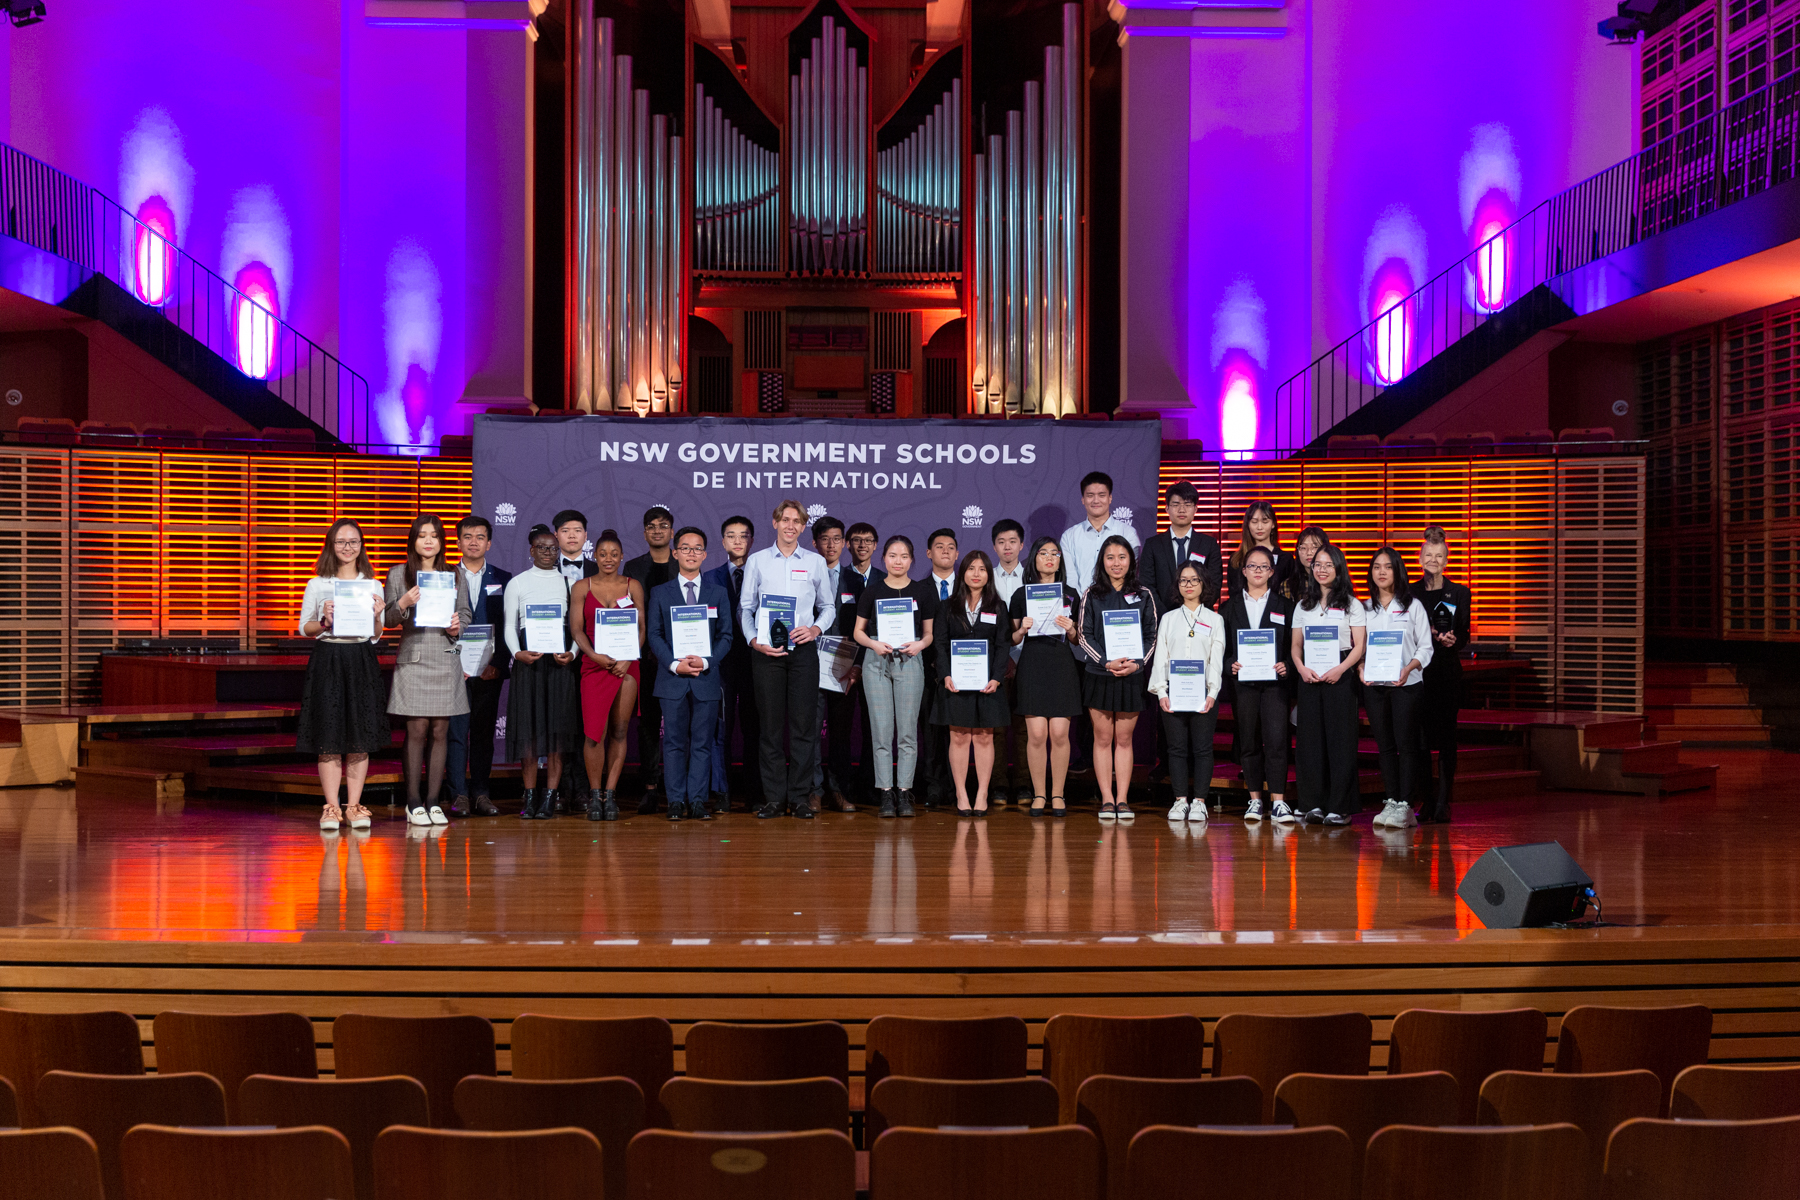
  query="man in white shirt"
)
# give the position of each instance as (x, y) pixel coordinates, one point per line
(787, 680)
(1081, 543)
(470, 757)
(1009, 572)
(934, 747)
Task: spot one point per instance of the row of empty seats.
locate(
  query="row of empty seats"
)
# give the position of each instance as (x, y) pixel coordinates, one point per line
(60, 431)
(1472, 445)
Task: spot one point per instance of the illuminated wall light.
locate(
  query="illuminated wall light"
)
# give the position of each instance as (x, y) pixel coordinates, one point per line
(1392, 336)
(1393, 263)
(1490, 267)
(1240, 352)
(1488, 202)
(153, 252)
(254, 312)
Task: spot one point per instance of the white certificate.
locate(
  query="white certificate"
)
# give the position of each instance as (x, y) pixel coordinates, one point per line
(353, 608)
(477, 649)
(773, 607)
(969, 665)
(1124, 633)
(1043, 604)
(690, 632)
(837, 657)
(437, 600)
(1321, 654)
(1187, 684)
(894, 621)
(1383, 662)
(544, 631)
(616, 633)
(1256, 655)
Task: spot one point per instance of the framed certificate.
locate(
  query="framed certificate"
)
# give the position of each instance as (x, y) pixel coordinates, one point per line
(477, 649)
(690, 631)
(1256, 655)
(894, 621)
(1383, 663)
(437, 600)
(353, 608)
(616, 633)
(1187, 684)
(1321, 653)
(771, 608)
(837, 656)
(1124, 630)
(544, 629)
(1043, 604)
(969, 665)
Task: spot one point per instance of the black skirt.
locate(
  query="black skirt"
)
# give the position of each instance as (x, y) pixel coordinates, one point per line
(1048, 681)
(543, 708)
(971, 710)
(1109, 693)
(343, 701)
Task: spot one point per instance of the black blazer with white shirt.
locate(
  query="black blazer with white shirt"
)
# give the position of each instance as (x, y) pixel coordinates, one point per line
(1161, 566)
(489, 605)
(1278, 614)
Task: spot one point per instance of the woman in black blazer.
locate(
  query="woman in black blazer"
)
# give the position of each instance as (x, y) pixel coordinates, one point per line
(974, 612)
(1259, 709)
(1447, 605)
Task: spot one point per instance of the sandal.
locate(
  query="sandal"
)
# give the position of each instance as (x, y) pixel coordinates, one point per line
(331, 818)
(1058, 807)
(360, 817)
(1037, 806)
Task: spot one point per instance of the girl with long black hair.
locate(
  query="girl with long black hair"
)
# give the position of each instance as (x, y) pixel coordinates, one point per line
(1260, 528)
(1112, 688)
(1393, 704)
(1259, 708)
(973, 612)
(1326, 736)
(428, 680)
(1048, 679)
(342, 701)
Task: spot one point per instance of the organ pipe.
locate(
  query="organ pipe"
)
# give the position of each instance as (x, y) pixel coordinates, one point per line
(736, 204)
(827, 114)
(919, 194)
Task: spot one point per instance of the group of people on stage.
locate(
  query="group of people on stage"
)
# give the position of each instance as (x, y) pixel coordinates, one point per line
(1048, 651)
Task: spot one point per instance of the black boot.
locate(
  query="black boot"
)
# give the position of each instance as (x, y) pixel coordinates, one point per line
(596, 807)
(529, 813)
(609, 800)
(888, 808)
(549, 803)
(1440, 811)
(771, 810)
(905, 803)
(556, 803)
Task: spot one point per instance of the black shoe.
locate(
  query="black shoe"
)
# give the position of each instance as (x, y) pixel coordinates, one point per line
(596, 807)
(773, 809)
(530, 798)
(648, 803)
(676, 810)
(484, 806)
(556, 804)
(609, 800)
(549, 804)
(888, 808)
(905, 803)
(459, 806)
(698, 811)
(804, 810)
(720, 803)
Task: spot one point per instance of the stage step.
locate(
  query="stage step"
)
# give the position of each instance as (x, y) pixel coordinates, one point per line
(1702, 714)
(1681, 779)
(1667, 674)
(36, 751)
(1716, 709)
(192, 753)
(1696, 693)
(139, 783)
(302, 778)
(1714, 735)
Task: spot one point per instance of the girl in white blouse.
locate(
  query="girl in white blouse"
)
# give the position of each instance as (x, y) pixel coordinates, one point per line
(343, 703)
(1189, 633)
(1393, 704)
(1325, 742)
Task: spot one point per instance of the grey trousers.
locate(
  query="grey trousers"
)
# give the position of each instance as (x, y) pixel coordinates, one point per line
(894, 690)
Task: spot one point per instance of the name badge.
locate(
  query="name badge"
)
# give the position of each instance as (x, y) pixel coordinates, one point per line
(798, 574)
(712, 612)
(494, 589)
(1131, 599)
(1334, 612)
(987, 618)
(624, 601)
(845, 597)
(1278, 618)
(1199, 558)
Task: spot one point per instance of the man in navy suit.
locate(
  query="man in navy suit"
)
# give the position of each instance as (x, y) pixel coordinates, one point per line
(737, 703)
(472, 734)
(688, 685)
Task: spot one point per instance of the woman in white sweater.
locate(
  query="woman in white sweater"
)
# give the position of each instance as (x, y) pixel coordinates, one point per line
(1392, 697)
(543, 706)
(343, 704)
(1190, 641)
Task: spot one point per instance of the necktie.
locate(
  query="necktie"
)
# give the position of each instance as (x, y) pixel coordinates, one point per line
(737, 583)
(1180, 552)
(943, 589)
(689, 585)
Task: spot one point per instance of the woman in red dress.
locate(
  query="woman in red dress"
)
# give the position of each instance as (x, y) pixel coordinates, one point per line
(609, 687)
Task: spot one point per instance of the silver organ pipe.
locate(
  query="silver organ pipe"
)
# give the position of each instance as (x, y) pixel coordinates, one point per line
(1015, 264)
(827, 110)
(659, 315)
(978, 213)
(581, 388)
(919, 194)
(736, 197)
(1031, 239)
(996, 243)
(674, 323)
(620, 263)
(640, 253)
(1048, 293)
(1069, 257)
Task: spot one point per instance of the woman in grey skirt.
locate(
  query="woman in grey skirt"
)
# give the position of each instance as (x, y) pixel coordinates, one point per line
(428, 679)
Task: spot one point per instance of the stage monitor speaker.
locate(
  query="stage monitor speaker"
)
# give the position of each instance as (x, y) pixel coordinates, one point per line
(1517, 887)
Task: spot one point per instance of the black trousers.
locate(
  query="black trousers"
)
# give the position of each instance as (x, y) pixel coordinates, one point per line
(649, 728)
(1190, 759)
(737, 711)
(787, 704)
(845, 712)
(1325, 745)
(470, 758)
(1394, 718)
(1261, 715)
(1439, 708)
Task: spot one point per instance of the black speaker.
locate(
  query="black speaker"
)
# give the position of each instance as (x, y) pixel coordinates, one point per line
(1516, 887)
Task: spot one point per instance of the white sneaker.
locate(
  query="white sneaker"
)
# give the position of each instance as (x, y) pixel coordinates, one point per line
(437, 816)
(1197, 812)
(418, 816)
(1254, 812)
(1381, 818)
(1179, 811)
(1336, 819)
(1282, 814)
(1403, 816)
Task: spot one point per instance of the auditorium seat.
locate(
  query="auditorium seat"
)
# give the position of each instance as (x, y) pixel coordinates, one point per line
(293, 440)
(1417, 445)
(1361, 1104)
(1407, 1162)
(231, 1047)
(1118, 1108)
(944, 1048)
(1467, 445)
(1703, 1160)
(611, 1109)
(436, 1051)
(725, 1050)
(442, 1164)
(1167, 1163)
(105, 1106)
(307, 1163)
(357, 1108)
(49, 431)
(1061, 1162)
(171, 437)
(1594, 1104)
(817, 1165)
(109, 433)
(1664, 1040)
(48, 1164)
(1078, 1046)
(1707, 1093)
(1469, 1045)
(642, 1049)
(9, 1105)
(456, 445)
(96, 1043)
(930, 1103)
(756, 1106)
(1353, 445)
(1270, 1048)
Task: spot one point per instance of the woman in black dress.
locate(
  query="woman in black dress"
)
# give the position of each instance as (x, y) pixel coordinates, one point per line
(1048, 679)
(1113, 688)
(973, 613)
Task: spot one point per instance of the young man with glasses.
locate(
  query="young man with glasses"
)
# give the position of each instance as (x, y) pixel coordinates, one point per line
(689, 685)
(653, 568)
(471, 751)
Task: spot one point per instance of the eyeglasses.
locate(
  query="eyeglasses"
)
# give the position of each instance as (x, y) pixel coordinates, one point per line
(660, 525)
(690, 549)
(862, 539)
(351, 544)
(1256, 567)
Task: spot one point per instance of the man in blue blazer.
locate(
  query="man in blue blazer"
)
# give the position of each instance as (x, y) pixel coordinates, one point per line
(471, 748)
(688, 685)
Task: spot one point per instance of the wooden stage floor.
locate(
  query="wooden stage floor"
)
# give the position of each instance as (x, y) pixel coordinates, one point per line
(234, 905)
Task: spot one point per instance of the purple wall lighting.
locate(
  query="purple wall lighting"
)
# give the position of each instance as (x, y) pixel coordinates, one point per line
(253, 313)
(1240, 356)
(1393, 267)
(413, 334)
(153, 252)
(156, 185)
(1488, 189)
